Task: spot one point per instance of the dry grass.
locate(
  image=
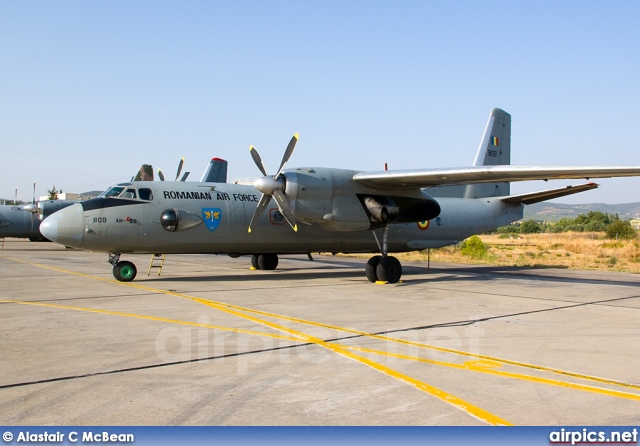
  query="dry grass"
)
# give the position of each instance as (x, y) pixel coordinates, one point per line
(572, 250)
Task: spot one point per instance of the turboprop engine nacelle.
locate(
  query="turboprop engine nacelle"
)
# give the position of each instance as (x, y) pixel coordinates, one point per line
(331, 198)
(174, 220)
(384, 213)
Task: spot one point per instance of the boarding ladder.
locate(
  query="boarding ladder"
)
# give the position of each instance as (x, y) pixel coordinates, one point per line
(157, 261)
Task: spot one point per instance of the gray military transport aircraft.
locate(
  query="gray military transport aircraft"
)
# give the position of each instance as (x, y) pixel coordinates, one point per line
(338, 210)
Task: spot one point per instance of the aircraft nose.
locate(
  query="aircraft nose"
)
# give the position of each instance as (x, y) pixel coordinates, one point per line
(65, 226)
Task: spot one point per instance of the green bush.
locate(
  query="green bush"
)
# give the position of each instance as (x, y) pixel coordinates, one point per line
(474, 247)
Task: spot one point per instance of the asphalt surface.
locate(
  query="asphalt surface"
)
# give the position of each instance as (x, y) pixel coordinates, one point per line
(210, 342)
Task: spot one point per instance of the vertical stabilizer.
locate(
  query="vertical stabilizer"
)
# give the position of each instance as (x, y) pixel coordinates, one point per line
(144, 174)
(216, 172)
(494, 150)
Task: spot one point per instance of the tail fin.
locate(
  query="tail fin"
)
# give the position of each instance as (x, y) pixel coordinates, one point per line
(144, 174)
(216, 172)
(494, 150)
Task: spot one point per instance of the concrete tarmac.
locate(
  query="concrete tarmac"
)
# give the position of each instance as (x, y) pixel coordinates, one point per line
(210, 342)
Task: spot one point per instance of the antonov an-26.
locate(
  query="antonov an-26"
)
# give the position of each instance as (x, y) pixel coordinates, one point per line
(313, 209)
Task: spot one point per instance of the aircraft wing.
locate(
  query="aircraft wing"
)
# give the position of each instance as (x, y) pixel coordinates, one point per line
(403, 179)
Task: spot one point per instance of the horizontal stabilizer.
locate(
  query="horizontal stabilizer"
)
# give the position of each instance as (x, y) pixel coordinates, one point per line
(537, 197)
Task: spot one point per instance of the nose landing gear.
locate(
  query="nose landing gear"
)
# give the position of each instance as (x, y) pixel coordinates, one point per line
(123, 271)
(383, 268)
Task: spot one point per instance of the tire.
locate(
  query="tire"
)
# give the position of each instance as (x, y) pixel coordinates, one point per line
(389, 270)
(268, 262)
(254, 262)
(125, 271)
(370, 269)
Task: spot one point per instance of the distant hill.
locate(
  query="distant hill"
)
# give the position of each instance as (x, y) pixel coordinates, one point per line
(555, 211)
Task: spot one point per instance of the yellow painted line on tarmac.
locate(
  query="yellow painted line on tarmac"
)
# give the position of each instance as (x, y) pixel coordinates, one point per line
(465, 406)
(343, 350)
(152, 318)
(353, 331)
(436, 348)
(469, 408)
(489, 369)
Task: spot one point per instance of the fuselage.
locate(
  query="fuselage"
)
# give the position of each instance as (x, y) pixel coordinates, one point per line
(129, 221)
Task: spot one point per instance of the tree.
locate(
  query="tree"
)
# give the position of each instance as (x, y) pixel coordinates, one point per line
(620, 229)
(53, 193)
(529, 227)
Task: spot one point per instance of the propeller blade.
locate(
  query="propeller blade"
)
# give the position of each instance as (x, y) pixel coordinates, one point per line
(180, 164)
(184, 177)
(161, 175)
(287, 154)
(262, 206)
(34, 194)
(284, 207)
(256, 159)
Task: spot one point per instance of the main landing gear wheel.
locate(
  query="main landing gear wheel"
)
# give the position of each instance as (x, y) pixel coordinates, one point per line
(383, 269)
(124, 271)
(389, 269)
(266, 262)
(370, 269)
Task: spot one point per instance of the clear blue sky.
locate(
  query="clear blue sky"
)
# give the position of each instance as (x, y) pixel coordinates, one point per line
(89, 91)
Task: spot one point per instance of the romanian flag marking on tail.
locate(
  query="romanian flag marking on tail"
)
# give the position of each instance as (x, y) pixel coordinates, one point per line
(494, 140)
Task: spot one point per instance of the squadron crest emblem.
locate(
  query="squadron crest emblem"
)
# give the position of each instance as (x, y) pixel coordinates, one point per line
(212, 218)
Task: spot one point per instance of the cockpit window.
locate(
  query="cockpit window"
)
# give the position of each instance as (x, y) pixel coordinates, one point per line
(145, 194)
(129, 193)
(112, 192)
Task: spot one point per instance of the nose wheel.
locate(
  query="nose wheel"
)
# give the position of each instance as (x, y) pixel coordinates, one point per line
(383, 268)
(123, 271)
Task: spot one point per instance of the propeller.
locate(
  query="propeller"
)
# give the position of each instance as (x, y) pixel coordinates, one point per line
(33, 203)
(180, 164)
(32, 207)
(272, 186)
